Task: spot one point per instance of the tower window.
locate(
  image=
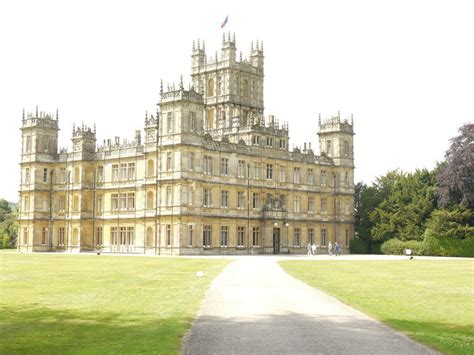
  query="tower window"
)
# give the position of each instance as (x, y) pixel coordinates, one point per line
(210, 87)
(169, 122)
(28, 144)
(245, 88)
(328, 147)
(192, 121)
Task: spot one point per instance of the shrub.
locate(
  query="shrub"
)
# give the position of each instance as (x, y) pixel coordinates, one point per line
(358, 246)
(445, 246)
(397, 247)
(6, 241)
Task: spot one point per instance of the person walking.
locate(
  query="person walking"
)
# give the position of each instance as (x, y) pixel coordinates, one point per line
(313, 249)
(308, 248)
(330, 249)
(338, 249)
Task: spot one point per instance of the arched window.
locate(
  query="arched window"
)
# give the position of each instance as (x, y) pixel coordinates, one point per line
(75, 206)
(149, 237)
(151, 168)
(75, 237)
(210, 87)
(77, 175)
(150, 200)
(245, 88)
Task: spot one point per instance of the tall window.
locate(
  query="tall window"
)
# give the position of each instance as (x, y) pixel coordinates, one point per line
(207, 165)
(256, 171)
(210, 87)
(224, 236)
(44, 234)
(100, 174)
(346, 148)
(269, 142)
(45, 175)
(240, 236)
(255, 140)
(131, 200)
(207, 198)
(241, 169)
(206, 236)
(224, 166)
(347, 237)
(131, 171)
(25, 236)
(310, 204)
(297, 237)
(323, 236)
(245, 88)
(190, 234)
(282, 174)
(168, 234)
(328, 148)
(323, 178)
(62, 175)
(169, 122)
(297, 204)
(150, 168)
(192, 121)
(296, 175)
(26, 204)
(123, 171)
(310, 177)
(191, 161)
(169, 161)
(62, 233)
(62, 203)
(115, 172)
(240, 199)
(256, 200)
(99, 239)
(100, 203)
(190, 195)
(346, 179)
(256, 236)
(282, 144)
(123, 201)
(114, 202)
(150, 200)
(28, 144)
(169, 196)
(225, 199)
(310, 235)
(114, 235)
(324, 205)
(269, 171)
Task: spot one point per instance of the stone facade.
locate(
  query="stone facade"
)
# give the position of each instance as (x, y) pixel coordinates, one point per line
(211, 176)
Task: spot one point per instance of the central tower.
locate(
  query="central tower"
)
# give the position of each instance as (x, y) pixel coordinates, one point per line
(232, 90)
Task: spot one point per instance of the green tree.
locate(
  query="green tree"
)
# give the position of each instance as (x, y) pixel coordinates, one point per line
(453, 223)
(6, 241)
(408, 200)
(4, 209)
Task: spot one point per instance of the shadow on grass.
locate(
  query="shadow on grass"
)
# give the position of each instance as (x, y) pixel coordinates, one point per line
(294, 333)
(45, 330)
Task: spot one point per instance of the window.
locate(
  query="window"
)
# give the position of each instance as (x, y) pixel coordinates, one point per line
(224, 236)
(297, 237)
(131, 200)
(27, 175)
(346, 179)
(206, 236)
(123, 201)
(26, 204)
(28, 144)
(269, 142)
(347, 237)
(100, 174)
(310, 177)
(297, 204)
(207, 165)
(61, 236)
(245, 88)
(210, 87)
(169, 161)
(150, 168)
(190, 195)
(310, 204)
(269, 171)
(256, 171)
(169, 196)
(282, 174)
(328, 148)
(114, 236)
(256, 200)
(190, 234)
(75, 204)
(45, 144)
(282, 144)
(62, 203)
(131, 171)
(323, 236)
(324, 205)
(169, 122)
(191, 161)
(115, 172)
(123, 171)
(168, 234)
(296, 175)
(100, 204)
(192, 121)
(310, 235)
(44, 204)
(241, 169)
(255, 236)
(346, 148)
(323, 178)
(255, 140)
(240, 236)
(45, 175)
(348, 207)
(240, 199)
(44, 234)
(207, 198)
(150, 200)
(114, 202)
(99, 239)
(224, 199)
(25, 236)
(224, 166)
(62, 175)
(77, 175)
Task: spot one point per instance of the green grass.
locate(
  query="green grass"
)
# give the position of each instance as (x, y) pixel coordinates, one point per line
(430, 301)
(99, 304)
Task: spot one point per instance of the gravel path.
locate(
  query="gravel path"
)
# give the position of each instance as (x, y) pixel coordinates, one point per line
(254, 307)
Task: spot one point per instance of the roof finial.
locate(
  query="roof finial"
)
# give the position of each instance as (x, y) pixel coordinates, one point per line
(73, 128)
(223, 38)
(352, 119)
(199, 44)
(233, 37)
(181, 86)
(203, 45)
(57, 114)
(338, 114)
(23, 114)
(36, 111)
(228, 36)
(194, 47)
(319, 119)
(251, 46)
(241, 56)
(261, 46)
(94, 128)
(161, 86)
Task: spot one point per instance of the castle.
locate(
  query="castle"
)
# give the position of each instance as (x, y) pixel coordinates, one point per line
(210, 176)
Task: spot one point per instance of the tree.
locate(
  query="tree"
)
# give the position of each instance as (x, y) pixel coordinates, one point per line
(6, 241)
(453, 223)
(455, 177)
(4, 209)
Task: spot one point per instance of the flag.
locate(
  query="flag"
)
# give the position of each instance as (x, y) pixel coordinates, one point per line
(225, 22)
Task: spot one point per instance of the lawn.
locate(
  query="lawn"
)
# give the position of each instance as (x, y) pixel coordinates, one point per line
(52, 303)
(430, 301)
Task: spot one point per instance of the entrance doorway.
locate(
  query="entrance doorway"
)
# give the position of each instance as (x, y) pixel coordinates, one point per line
(276, 240)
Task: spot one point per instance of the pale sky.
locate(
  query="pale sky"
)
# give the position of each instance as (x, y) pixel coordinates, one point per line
(405, 69)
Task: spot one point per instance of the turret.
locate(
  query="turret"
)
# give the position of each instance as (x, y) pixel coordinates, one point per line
(336, 140)
(83, 142)
(256, 55)
(198, 56)
(229, 49)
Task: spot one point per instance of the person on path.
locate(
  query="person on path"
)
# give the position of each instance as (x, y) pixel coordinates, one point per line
(338, 249)
(313, 249)
(308, 248)
(330, 249)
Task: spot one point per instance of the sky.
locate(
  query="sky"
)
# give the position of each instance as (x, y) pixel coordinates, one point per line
(404, 69)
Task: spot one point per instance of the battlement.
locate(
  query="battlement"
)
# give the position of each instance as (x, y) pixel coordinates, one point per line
(83, 131)
(336, 124)
(39, 119)
(180, 94)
